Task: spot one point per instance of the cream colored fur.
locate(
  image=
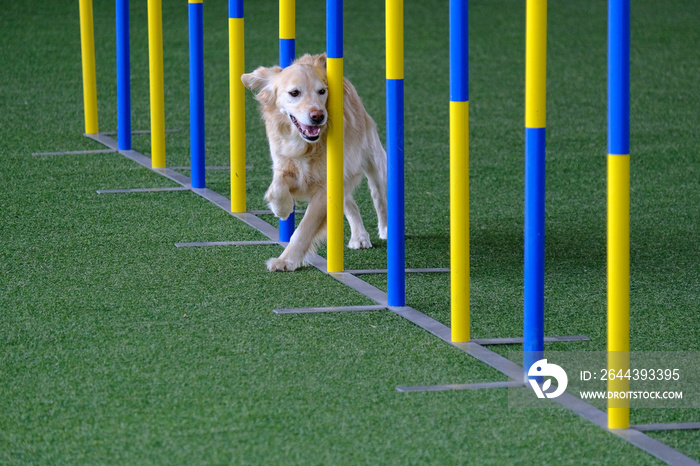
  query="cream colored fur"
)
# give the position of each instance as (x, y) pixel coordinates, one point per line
(293, 106)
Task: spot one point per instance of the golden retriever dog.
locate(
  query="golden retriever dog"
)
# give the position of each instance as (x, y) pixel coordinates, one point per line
(293, 106)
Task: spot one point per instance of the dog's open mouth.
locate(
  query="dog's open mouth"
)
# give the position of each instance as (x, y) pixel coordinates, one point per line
(310, 133)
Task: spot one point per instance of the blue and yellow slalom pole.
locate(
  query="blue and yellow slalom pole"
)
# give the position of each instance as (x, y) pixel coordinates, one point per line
(236, 47)
(618, 207)
(287, 32)
(87, 47)
(334, 167)
(155, 64)
(287, 26)
(535, 112)
(196, 39)
(459, 169)
(396, 254)
(123, 76)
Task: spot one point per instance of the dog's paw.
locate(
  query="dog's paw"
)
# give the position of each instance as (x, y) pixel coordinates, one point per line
(382, 233)
(360, 242)
(275, 264)
(282, 207)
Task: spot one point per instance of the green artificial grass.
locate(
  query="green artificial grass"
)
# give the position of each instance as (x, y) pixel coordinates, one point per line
(118, 347)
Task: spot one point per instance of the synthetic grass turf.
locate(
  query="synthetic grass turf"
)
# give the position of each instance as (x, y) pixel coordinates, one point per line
(99, 362)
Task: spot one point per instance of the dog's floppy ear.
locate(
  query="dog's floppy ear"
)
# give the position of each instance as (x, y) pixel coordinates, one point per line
(258, 79)
(320, 61)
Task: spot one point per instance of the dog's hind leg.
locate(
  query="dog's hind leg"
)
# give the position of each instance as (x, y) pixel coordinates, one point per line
(375, 171)
(304, 238)
(359, 238)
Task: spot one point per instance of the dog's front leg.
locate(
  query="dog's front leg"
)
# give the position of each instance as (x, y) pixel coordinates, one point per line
(278, 197)
(304, 238)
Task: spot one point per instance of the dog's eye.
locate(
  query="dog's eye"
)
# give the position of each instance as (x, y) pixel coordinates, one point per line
(294, 93)
(322, 92)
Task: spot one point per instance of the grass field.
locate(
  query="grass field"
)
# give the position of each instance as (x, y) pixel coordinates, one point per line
(118, 348)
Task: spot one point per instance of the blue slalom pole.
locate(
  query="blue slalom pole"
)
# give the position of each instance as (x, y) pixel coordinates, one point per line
(619, 77)
(396, 254)
(123, 76)
(197, 164)
(287, 52)
(286, 57)
(534, 246)
(535, 129)
(459, 51)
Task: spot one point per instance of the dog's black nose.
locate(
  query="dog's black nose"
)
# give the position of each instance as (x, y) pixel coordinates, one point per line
(317, 116)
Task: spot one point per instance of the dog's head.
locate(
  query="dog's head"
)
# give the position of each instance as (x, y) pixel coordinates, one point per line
(299, 92)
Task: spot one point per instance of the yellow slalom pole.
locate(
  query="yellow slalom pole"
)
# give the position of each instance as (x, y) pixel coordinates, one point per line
(334, 153)
(459, 220)
(618, 287)
(536, 64)
(394, 40)
(87, 45)
(155, 62)
(237, 112)
(618, 212)
(459, 170)
(287, 19)
(335, 225)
